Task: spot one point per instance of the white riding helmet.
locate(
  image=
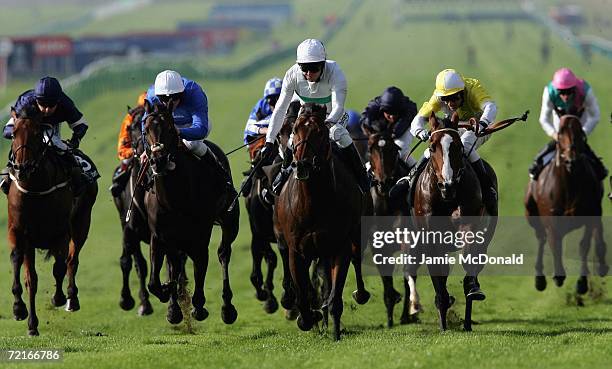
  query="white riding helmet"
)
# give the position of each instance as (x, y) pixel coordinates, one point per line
(311, 51)
(273, 87)
(168, 82)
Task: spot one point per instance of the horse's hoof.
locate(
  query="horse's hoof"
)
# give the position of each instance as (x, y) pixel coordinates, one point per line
(33, 332)
(540, 282)
(317, 316)
(303, 324)
(559, 280)
(126, 303)
(229, 314)
(145, 309)
(361, 297)
(199, 314)
(287, 300)
(20, 312)
(582, 285)
(467, 328)
(476, 294)
(291, 314)
(409, 319)
(58, 300)
(73, 305)
(174, 316)
(271, 305)
(603, 270)
(261, 295)
(418, 308)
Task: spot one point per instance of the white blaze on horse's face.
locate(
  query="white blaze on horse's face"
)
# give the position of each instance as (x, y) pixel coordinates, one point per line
(447, 169)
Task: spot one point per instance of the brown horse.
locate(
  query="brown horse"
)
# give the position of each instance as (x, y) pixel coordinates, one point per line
(448, 193)
(566, 196)
(317, 216)
(135, 230)
(182, 207)
(43, 214)
(386, 170)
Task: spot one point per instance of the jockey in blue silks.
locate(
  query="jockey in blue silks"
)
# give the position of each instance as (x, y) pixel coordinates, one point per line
(259, 119)
(190, 113)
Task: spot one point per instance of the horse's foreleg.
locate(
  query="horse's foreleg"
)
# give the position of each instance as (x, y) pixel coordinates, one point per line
(339, 272)
(228, 311)
(256, 274)
(555, 242)
(298, 266)
(412, 302)
(59, 273)
(157, 261)
(141, 270)
(271, 304)
(200, 266)
(127, 301)
(20, 310)
(540, 278)
(600, 248)
(439, 275)
(582, 285)
(360, 295)
(31, 280)
(288, 295)
(73, 266)
(174, 315)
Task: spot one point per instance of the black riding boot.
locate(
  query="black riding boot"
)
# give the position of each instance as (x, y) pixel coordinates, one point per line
(120, 180)
(352, 158)
(284, 173)
(78, 178)
(399, 192)
(601, 172)
(223, 177)
(489, 193)
(538, 163)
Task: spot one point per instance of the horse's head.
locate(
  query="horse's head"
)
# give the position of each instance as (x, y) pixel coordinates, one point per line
(28, 145)
(446, 157)
(311, 147)
(292, 113)
(162, 137)
(384, 154)
(135, 129)
(570, 140)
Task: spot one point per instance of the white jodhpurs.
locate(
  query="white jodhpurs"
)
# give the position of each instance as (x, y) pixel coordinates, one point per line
(198, 147)
(404, 142)
(468, 138)
(52, 133)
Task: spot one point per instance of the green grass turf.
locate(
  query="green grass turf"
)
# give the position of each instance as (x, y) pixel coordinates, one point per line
(520, 327)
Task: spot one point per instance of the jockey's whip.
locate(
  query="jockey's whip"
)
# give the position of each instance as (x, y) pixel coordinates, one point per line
(143, 170)
(255, 169)
(246, 144)
(413, 148)
(494, 127)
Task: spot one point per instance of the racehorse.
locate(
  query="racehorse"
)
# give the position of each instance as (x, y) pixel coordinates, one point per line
(182, 207)
(386, 170)
(135, 230)
(43, 214)
(317, 216)
(567, 196)
(448, 193)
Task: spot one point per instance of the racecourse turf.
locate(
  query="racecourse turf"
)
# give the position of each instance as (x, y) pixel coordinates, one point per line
(519, 326)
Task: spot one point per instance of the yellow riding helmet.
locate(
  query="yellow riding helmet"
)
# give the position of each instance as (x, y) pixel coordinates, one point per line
(448, 82)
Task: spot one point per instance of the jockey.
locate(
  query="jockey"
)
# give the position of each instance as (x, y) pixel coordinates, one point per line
(566, 94)
(397, 111)
(317, 80)
(259, 119)
(125, 152)
(469, 99)
(56, 108)
(190, 113)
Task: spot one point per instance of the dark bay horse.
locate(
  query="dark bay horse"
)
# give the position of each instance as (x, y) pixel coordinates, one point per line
(448, 193)
(567, 196)
(43, 214)
(317, 216)
(386, 171)
(182, 207)
(135, 230)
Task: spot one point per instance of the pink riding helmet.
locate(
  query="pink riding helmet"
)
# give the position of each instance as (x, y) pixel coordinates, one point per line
(564, 78)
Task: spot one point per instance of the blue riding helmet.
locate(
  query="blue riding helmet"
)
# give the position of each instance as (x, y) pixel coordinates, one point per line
(273, 87)
(48, 90)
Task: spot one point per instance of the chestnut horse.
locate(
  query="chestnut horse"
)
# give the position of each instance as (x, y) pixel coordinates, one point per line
(43, 214)
(448, 193)
(386, 170)
(135, 230)
(182, 207)
(566, 196)
(317, 216)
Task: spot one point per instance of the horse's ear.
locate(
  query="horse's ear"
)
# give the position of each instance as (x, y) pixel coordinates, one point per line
(13, 112)
(433, 121)
(454, 120)
(170, 105)
(128, 108)
(147, 106)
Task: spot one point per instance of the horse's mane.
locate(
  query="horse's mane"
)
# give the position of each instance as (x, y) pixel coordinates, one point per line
(312, 110)
(29, 111)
